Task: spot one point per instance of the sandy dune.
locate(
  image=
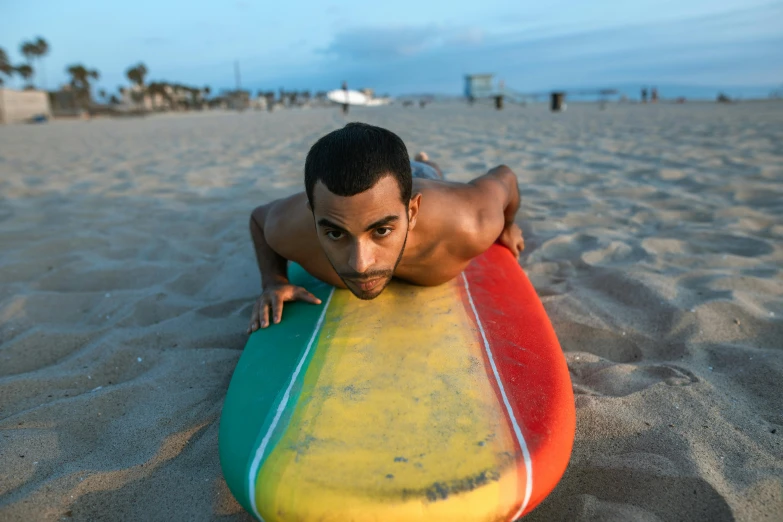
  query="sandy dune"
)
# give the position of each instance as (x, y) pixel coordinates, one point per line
(654, 237)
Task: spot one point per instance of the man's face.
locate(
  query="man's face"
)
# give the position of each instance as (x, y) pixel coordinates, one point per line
(364, 235)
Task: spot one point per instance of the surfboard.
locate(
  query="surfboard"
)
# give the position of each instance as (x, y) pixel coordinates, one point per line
(349, 97)
(448, 403)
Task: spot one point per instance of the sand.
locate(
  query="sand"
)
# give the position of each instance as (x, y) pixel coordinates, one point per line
(654, 237)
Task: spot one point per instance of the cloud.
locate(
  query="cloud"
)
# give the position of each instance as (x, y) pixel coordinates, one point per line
(381, 43)
(734, 48)
(468, 36)
(393, 43)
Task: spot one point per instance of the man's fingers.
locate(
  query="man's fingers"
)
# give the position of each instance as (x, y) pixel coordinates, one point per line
(277, 309)
(253, 319)
(272, 302)
(264, 314)
(304, 295)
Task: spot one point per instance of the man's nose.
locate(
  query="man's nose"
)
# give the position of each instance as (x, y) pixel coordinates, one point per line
(362, 257)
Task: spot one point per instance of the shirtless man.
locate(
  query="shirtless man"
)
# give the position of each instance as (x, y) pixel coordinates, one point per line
(364, 218)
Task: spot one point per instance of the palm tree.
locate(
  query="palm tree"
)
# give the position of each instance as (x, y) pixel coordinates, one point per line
(5, 66)
(28, 50)
(136, 75)
(80, 82)
(26, 72)
(41, 50)
(36, 49)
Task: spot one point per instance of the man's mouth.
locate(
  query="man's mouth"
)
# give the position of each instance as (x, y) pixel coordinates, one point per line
(369, 284)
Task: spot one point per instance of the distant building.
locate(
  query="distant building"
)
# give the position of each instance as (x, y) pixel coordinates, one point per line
(20, 106)
(137, 97)
(159, 96)
(238, 100)
(65, 102)
(478, 85)
(259, 103)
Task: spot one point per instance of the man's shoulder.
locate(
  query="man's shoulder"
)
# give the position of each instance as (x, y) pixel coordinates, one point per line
(451, 219)
(287, 219)
(289, 230)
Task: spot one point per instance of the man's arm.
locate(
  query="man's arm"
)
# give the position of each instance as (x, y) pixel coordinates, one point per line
(512, 204)
(275, 287)
(272, 266)
(508, 188)
(495, 200)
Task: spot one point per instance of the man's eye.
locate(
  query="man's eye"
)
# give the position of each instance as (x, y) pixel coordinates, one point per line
(383, 231)
(334, 235)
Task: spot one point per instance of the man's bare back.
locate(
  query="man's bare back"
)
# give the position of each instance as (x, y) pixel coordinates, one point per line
(360, 240)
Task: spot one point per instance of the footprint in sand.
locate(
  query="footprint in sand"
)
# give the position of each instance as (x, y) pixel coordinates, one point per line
(595, 376)
(730, 244)
(565, 247)
(632, 486)
(615, 253)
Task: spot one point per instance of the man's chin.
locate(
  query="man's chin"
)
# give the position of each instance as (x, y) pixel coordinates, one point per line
(368, 295)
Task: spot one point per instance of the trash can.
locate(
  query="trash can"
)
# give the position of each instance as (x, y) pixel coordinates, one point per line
(557, 104)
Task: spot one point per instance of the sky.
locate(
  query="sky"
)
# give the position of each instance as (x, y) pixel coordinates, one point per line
(410, 46)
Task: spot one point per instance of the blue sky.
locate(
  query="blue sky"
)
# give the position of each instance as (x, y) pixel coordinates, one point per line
(410, 46)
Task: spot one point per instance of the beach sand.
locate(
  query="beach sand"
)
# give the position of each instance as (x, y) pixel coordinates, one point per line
(654, 238)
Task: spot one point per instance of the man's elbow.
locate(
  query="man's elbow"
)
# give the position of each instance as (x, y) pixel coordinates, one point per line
(503, 171)
(479, 234)
(257, 218)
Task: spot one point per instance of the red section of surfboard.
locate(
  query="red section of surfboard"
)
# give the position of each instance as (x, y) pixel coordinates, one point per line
(530, 363)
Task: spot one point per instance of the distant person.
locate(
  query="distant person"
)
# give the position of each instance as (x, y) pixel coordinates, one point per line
(345, 92)
(644, 95)
(368, 214)
(654, 95)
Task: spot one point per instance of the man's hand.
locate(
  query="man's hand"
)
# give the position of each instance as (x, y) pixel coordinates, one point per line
(511, 238)
(273, 298)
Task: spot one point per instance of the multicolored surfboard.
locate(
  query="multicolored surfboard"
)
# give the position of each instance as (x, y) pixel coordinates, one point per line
(444, 403)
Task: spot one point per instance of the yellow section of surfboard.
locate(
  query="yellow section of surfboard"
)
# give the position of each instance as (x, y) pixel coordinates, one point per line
(346, 455)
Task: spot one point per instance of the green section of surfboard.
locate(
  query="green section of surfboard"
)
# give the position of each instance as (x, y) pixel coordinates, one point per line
(260, 380)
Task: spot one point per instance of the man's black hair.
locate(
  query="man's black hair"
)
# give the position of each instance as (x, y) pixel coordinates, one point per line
(353, 159)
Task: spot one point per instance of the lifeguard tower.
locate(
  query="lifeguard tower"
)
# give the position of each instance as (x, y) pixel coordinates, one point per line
(478, 86)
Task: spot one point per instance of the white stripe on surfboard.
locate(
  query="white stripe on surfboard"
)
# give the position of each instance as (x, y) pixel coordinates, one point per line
(514, 423)
(280, 408)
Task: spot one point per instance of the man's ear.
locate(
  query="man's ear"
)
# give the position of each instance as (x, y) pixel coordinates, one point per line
(413, 210)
